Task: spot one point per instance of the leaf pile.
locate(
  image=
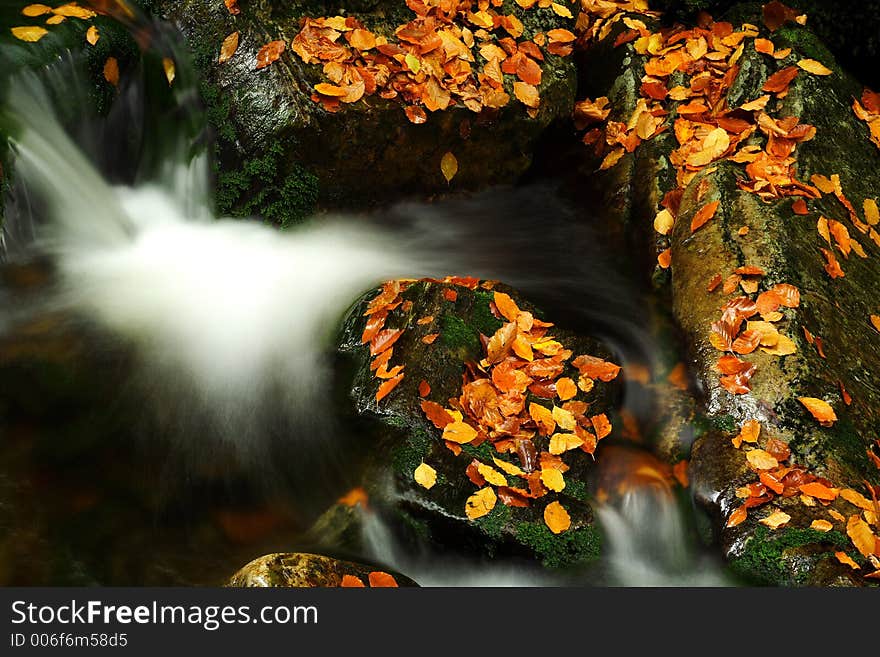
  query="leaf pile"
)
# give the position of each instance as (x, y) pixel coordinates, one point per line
(784, 483)
(525, 398)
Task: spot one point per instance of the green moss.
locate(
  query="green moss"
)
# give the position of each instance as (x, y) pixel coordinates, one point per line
(411, 452)
(485, 452)
(455, 333)
(495, 522)
(570, 548)
(725, 423)
(482, 318)
(577, 489)
(763, 559)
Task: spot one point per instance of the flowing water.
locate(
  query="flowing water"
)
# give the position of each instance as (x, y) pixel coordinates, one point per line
(228, 323)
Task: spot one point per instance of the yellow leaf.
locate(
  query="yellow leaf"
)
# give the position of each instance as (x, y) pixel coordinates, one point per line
(459, 432)
(776, 519)
(556, 517)
(543, 418)
(55, 20)
(448, 166)
(73, 10)
(821, 525)
(559, 10)
(227, 50)
(612, 158)
(820, 409)
(35, 10)
(857, 499)
(92, 35)
(527, 94)
(761, 460)
(814, 67)
(31, 34)
(784, 346)
(875, 321)
(491, 475)
(111, 71)
(565, 388)
(425, 475)
(508, 467)
(506, 306)
(412, 63)
(564, 419)
(552, 479)
(872, 213)
(663, 221)
(860, 534)
(169, 68)
(562, 442)
(845, 559)
(480, 503)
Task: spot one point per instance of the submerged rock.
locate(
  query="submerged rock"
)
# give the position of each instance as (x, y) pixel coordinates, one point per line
(298, 569)
(281, 151)
(486, 483)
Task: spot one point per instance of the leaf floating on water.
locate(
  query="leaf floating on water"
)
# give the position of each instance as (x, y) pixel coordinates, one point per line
(819, 409)
(425, 476)
(111, 71)
(379, 579)
(229, 47)
(480, 503)
(92, 35)
(556, 517)
(448, 166)
(814, 67)
(270, 53)
(31, 34)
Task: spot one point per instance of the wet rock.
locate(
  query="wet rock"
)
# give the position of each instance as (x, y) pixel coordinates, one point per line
(298, 569)
(281, 152)
(787, 247)
(452, 318)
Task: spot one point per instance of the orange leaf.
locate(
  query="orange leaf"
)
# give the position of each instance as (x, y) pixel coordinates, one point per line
(506, 306)
(566, 388)
(424, 388)
(430, 338)
(111, 71)
(819, 491)
(861, 535)
(350, 581)
(459, 432)
(703, 215)
(387, 387)
(556, 517)
(270, 53)
(779, 81)
(846, 560)
(438, 415)
(820, 409)
(739, 514)
(379, 579)
(229, 47)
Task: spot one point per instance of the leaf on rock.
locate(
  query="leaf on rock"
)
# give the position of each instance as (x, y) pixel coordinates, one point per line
(814, 67)
(92, 35)
(703, 215)
(739, 514)
(111, 71)
(480, 503)
(820, 410)
(425, 476)
(378, 579)
(387, 387)
(861, 535)
(350, 581)
(459, 432)
(31, 34)
(228, 48)
(556, 517)
(776, 519)
(448, 166)
(270, 53)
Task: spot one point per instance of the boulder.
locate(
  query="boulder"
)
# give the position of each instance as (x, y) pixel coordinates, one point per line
(281, 152)
(458, 458)
(302, 570)
(730, 231)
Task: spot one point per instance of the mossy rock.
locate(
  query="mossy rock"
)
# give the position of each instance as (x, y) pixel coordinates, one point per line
(402, 437)
(302, 570)
(281, 154)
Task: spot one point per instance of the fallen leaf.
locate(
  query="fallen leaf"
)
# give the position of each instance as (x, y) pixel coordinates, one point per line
(425, 476)
(739, 514)
(378, 579)
(861, 536)
(846, 560)
(269, 53)
(552, 479)
(228, 48)
(703, 215)
(32, 11)
(556, 517)
(480, 503)
(814, 67)
(527, 94)
(779, 81)
(776, 519)
(820, 409)
(92, 35)
(350, 581)
(663, 222)
(111, 71)
(31, 34)
(448, 166)
(387, 387)
(459, 432)
(821, 525)
(761, 460)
